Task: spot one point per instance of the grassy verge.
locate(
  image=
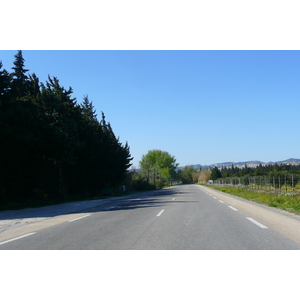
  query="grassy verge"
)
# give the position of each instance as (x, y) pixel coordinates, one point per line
(289, 202)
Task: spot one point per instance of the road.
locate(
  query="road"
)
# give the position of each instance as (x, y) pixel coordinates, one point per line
(181, 217)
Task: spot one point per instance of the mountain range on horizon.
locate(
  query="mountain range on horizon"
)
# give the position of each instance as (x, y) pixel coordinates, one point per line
(250, 163)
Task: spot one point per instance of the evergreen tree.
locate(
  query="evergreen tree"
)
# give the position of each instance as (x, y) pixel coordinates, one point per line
(86, 172)
(34, 88)
(215, 174)
(20, 82)
(115, 157)
(62, 117)
(88, 110)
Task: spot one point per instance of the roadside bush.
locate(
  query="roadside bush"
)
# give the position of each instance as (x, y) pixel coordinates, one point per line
(142, 185)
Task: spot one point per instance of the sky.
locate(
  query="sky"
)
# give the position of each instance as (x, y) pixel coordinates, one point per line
(201, 106)
(207, 81)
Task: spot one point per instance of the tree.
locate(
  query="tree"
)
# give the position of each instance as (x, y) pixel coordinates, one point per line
(204, 176)
(158, 167)
(20, 82)
(19, 134)
(88, 110)
(116, 158)
(189, 175)
(215, 174)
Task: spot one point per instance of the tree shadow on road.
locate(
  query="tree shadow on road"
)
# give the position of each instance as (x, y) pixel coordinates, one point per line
(142, 200)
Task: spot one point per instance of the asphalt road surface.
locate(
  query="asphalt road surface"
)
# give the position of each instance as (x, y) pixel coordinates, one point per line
(182, 217)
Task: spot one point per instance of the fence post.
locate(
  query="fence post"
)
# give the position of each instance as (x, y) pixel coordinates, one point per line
(285, 184)
(293, 182)
(260, 182)
(266, 181)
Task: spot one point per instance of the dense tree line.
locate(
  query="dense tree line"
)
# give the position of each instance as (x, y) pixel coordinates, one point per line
(260, 170)
(51, 146)
(189, 174)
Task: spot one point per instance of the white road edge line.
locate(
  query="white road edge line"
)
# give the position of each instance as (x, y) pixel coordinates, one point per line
(257, 223)
(232, 207)
(19, 237)
(160, 213)
(79, 218)
(221, 201)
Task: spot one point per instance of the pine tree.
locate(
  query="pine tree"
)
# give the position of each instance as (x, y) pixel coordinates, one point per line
(20, 82)
(19, 64)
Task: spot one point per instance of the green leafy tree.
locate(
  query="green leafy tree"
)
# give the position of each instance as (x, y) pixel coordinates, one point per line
(158, 167)
(186, 175)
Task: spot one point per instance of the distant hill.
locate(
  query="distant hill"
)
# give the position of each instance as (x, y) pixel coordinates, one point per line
(250, 163)
(290, 160)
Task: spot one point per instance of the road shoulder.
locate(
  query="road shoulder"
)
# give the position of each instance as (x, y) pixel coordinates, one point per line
(285, 224)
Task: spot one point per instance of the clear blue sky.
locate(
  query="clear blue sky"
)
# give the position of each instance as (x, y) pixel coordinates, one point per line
(203, 107)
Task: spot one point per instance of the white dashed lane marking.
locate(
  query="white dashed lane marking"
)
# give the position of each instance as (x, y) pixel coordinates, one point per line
(160, 213)
(79, 218)
(257, 223)
(233, 208)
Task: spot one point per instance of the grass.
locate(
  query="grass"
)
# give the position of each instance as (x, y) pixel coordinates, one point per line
(289, 201)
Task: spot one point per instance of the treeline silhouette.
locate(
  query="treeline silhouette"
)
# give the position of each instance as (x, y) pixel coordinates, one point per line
(260, 170)
(51, 147)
